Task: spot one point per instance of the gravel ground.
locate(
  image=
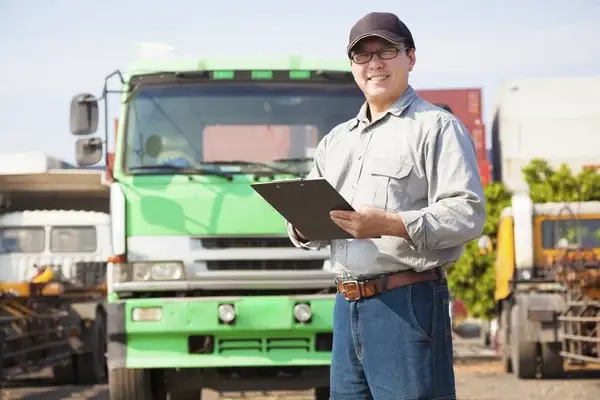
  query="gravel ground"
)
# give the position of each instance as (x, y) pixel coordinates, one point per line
(486, 381)
(480, 380)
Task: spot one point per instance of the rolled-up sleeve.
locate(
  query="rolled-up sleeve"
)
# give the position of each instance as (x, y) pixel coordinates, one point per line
(456, 205)
(318, 170)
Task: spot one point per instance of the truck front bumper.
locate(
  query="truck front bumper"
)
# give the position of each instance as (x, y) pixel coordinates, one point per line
(188, 332)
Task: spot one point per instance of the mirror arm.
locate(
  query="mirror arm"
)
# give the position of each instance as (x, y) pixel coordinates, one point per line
(105, 92)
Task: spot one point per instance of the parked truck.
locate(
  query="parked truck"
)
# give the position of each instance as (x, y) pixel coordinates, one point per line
(548, 253)
(205, 290)
(52, 290)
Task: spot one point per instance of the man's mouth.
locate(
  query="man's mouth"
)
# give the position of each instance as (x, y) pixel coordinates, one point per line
(378, 78)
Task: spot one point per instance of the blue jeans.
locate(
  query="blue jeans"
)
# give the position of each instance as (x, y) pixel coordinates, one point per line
(394, 346)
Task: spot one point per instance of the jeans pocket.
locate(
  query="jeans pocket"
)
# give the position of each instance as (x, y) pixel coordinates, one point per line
(421, 309)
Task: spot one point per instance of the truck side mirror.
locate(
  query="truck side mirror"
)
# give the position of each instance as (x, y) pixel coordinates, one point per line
(88, 151)
(484, 244)
(84, 114)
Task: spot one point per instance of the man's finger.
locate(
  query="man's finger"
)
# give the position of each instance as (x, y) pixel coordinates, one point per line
(342, 223)
(347, 215)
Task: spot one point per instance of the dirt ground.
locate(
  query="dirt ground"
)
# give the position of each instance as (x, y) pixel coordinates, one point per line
(481, 380)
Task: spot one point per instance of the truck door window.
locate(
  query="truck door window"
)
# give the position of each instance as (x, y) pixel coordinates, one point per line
(80, 239)
(22, 240)
(586, 230)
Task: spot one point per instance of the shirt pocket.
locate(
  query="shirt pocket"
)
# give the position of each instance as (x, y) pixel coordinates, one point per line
(391, 182)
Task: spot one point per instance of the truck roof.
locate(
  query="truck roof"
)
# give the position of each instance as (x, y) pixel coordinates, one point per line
(292, 63)
(553, 209)
(54, 217)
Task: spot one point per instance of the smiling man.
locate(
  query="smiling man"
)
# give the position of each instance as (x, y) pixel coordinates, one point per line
(410, 170)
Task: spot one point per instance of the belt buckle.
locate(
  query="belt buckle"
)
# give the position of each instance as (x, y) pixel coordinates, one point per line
(349, 287)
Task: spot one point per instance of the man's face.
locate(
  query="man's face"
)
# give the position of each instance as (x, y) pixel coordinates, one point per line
(382, 78)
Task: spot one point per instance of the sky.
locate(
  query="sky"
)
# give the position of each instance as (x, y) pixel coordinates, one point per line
(55, 49)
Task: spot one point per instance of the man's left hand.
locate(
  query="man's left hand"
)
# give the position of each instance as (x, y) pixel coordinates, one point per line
(368, 222)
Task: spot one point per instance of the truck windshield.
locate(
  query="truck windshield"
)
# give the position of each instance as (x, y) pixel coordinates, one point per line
(232, 127)
(22, 240)
(571, 232)
(76, 239)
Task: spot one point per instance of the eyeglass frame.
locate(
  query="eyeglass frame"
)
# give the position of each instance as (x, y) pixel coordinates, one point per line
(378, 52)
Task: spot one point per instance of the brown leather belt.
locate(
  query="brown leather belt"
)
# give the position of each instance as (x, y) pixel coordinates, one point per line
(355, 290)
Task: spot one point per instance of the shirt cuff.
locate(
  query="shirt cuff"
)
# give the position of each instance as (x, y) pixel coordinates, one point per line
(295, 239)
(414, 223)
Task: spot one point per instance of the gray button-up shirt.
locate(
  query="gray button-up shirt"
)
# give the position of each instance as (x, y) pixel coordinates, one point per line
(418, 161)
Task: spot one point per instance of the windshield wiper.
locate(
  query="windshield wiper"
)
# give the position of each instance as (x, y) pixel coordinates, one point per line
(181, 170)
(249, 163)
(295, 160)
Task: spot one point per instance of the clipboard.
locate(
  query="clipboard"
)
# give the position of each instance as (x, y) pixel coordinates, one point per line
(306, 204)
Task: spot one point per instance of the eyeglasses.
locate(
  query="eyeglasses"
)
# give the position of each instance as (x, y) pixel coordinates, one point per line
(384, 54)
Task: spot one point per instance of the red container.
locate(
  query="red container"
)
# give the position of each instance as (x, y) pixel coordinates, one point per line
(466, 105)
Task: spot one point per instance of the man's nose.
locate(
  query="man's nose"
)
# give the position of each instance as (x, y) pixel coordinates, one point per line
(376, 62)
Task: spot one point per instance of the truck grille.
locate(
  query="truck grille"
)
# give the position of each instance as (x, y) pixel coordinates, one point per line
(243, 242)
(265, 265)
(268, 345)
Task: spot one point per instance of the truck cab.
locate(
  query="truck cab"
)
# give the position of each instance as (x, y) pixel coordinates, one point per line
(74, 244)
(543, 253)
(205, 289)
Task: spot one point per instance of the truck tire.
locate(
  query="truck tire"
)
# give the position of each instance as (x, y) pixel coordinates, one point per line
(322, 393)
(552, 362)
(505, 339)
(63, 374)
(187, 395)
(128, 384)
(90, 368)
(523, 352)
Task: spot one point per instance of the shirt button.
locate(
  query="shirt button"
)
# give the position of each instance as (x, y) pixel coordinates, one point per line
(342, 245)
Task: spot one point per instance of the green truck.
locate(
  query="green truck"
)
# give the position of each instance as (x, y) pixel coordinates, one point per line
(205, 289)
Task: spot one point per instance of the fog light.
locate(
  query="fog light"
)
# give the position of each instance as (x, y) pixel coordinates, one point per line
(147, 314)
(226, 313)
(302, 312)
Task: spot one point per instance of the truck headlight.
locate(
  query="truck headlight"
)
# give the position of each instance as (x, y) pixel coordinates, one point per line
(158, 271)
(226, 313)
(302, 312)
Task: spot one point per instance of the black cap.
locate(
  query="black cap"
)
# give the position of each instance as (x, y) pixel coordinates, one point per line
(385, 25)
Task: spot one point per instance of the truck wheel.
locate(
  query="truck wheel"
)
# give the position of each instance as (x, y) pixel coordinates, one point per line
(505, 340)
(90, 368)
(187, 395)
(322, 393)
(552, 362)
(63, 374)
(523, 352)
(127, 384)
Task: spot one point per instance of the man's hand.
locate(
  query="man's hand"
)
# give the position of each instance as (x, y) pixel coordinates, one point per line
(369, 222)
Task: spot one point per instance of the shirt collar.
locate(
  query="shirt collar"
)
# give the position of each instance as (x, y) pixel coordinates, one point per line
(396, 109)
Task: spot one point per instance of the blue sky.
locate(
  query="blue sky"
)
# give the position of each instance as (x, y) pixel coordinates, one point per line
(52, 50)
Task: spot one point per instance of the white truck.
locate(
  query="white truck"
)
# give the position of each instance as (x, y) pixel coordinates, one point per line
(557, 119)
(54, 246)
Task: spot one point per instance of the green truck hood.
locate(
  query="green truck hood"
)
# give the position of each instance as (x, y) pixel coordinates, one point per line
(197, 205)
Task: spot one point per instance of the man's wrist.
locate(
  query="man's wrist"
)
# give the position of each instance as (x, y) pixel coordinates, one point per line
(395, 226)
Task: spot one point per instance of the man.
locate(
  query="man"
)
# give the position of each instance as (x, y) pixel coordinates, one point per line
(410, 170)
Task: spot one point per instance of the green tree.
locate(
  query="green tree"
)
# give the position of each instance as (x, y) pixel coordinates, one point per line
(472, 278)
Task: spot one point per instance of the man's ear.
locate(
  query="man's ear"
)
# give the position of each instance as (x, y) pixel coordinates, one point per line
(412, 57)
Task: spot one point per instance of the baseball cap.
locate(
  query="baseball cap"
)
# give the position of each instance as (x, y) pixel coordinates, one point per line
(385, 25)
